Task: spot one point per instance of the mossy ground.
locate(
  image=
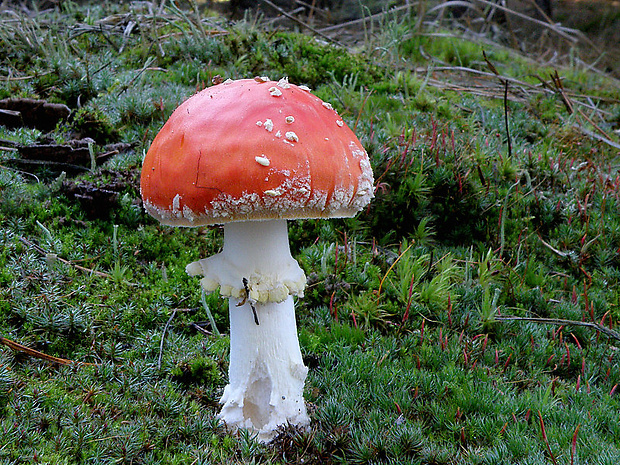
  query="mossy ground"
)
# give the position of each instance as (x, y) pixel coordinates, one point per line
(485, 207)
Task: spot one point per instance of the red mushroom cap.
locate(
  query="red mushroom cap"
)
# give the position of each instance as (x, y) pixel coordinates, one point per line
(254, 149)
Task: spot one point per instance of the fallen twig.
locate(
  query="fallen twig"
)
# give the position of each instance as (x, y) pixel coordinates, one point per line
(521, 93)
(554, 250)
(598, 137)
(505, 83)
(559, 89)
(17, 347)
(301, 23)
(23, 78)
(200, 329)
(34, 246)
(561, 322)
(163, 337)
(366, 19)
(562, 31)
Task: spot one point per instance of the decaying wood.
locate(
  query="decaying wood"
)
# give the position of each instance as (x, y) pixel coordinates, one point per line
(97, 198)
(96, 202)
(27, 165)
(77, 152)
(79, 155)
(11, 118)
(71, 157)
(38, 114)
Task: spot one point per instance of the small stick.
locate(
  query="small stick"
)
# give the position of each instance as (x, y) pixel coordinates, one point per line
(506, 119)
(17, 347)
(200, 329)
(553, 249)
(301, 23)
(27, 243)
(563, 32)
(559, 87)
(561, 322)
(163, 337)
(505, 83)
(366, 19)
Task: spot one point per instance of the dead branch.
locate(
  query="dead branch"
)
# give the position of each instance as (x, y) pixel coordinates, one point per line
(32, 245)
(554, 250)
(301, 23)
(563, 32)
(163, 338)
(598, 137)
(561, 322)
(366, 19)
(17, 347)
(35, 113)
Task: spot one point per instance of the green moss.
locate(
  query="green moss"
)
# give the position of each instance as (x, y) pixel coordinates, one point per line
(94, 123)
(197, 371)
(445, 51)
(408, 362)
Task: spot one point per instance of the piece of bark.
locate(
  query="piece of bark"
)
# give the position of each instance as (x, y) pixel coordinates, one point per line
(97, 203)
(56, 153)
(38, 114)
(98, 199)
(76, 152)
(11, 119)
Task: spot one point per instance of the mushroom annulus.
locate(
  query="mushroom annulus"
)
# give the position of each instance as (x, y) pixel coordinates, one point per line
(251, 154)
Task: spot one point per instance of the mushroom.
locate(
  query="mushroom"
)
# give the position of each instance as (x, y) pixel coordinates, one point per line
(251, 154)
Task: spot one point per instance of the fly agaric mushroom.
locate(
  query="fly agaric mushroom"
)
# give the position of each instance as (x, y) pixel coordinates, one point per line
(251, 154)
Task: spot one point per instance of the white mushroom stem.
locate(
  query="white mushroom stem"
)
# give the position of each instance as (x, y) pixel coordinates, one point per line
(266, 372)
